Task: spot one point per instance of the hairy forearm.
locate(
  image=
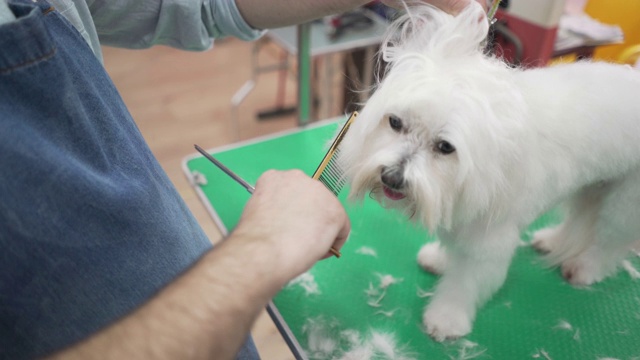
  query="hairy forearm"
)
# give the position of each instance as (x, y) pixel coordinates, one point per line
(279, 13)
(288, 224)
(206, 313)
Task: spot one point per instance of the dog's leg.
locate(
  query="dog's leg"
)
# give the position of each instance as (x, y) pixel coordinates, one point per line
(616, 229)
(545, 240)
(477, 264)
(593, 265)
(576, 233)
(433, 258)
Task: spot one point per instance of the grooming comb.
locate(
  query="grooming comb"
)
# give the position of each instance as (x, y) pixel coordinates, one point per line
(493, 9)
(226, 170)
(250, 188)
(329, 172)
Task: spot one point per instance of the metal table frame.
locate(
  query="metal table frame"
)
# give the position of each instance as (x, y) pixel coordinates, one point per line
(313, 42)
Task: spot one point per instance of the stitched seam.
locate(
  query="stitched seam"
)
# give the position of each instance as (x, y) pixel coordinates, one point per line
(51, 9)
(29, 62)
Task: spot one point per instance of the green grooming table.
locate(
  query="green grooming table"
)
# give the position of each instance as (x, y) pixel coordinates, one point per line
(536, 314)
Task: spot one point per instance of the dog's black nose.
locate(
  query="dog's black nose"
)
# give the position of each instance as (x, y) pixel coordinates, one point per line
(392, 177)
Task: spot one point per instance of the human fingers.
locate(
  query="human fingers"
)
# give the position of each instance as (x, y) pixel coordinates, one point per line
(297, 215)
(341, 238)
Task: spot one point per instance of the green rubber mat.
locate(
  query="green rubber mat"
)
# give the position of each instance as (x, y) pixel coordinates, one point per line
(535, 315)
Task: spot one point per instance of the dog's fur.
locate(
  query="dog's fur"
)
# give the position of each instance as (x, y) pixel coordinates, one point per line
(525, 141)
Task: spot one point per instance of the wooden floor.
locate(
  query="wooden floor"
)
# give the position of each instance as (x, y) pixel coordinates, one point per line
(183, 98)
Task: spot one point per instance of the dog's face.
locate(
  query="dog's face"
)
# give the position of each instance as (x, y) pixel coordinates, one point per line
(432, 140)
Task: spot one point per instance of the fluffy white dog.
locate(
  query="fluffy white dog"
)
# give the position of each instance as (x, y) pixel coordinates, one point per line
(476, 150)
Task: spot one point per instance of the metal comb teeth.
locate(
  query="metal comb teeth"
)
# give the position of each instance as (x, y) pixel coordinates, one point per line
(332, 176)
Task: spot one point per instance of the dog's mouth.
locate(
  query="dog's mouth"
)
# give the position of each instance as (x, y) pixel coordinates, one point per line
(392, 194)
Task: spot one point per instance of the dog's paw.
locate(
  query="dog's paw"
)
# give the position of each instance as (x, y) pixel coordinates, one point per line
(583, 270)
(544, 240)
(446, 322)
(432, 258)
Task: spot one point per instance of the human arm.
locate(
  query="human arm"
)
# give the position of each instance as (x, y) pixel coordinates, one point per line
(192, 24)
(290, 12)
(183, 24)
(263, 14)
(288, 224)
(451, 6)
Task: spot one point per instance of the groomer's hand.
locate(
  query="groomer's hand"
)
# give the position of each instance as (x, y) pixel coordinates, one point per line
(452, 7)
(297, 217)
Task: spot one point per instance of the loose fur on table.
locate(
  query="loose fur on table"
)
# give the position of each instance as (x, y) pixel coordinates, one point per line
(375, 295)
(365, 250)
(326, 340)
(306, 281)
(475, 150)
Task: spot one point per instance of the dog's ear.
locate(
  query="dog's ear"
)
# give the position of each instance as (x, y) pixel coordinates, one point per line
(425, 29)
(470, 29)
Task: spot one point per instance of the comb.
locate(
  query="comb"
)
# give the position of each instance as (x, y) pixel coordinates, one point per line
(251, 189)
(491, 13)
(329, 172)
(226, 170)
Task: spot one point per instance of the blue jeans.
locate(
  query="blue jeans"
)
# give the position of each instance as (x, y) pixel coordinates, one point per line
(90, 225)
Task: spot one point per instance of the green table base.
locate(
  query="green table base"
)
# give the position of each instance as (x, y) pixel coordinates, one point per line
(520, 322)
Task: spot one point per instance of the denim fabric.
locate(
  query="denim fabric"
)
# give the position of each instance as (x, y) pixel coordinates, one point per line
(90, 225)
(77, 13)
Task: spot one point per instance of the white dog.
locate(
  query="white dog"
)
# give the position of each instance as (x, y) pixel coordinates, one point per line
(476, 150)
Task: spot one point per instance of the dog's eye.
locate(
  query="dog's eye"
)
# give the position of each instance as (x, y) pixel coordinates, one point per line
(395, 123)
(444, 147)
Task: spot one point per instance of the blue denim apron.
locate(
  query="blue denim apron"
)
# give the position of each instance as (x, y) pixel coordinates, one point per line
(90, 225)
